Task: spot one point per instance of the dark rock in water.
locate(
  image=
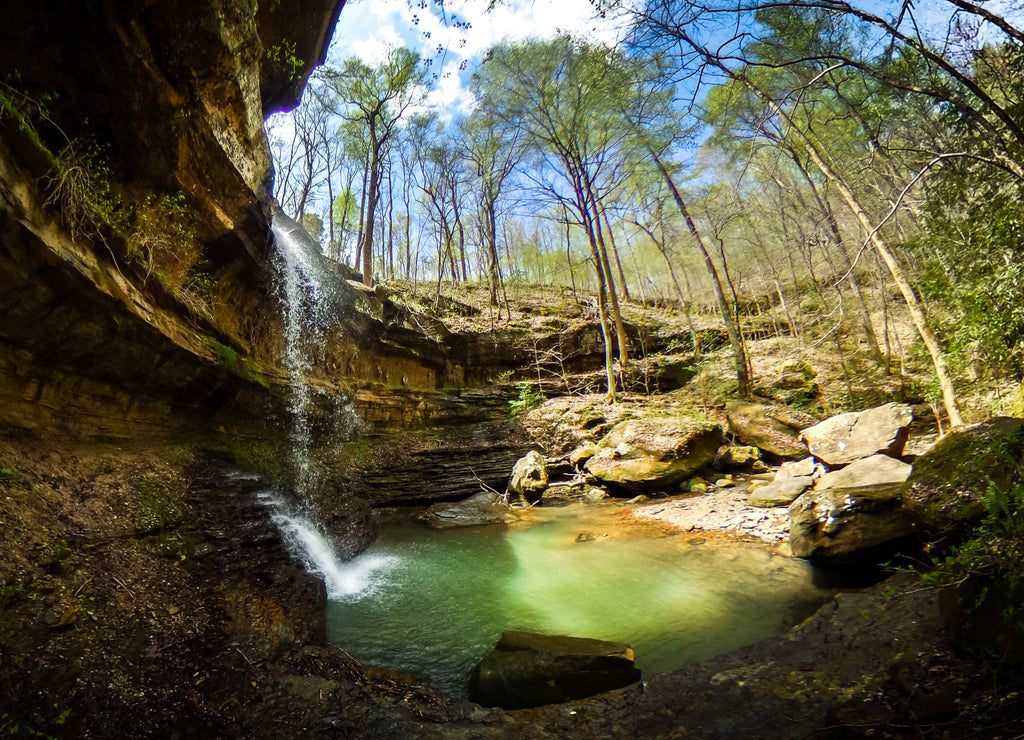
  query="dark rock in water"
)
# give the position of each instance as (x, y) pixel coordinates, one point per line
(852, 436)
(848, 525)
(484, 508)
(527, 669)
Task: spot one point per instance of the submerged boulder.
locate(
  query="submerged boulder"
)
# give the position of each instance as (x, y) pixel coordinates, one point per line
(529, 477)
(526, 669)
(854, 435)
(484, 508)
(654, 453)
(847, 525)
(769, 428)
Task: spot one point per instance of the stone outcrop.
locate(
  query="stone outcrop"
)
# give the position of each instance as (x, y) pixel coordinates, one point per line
(654, 453)
(527, 669)
(946, 484)
(847, 437)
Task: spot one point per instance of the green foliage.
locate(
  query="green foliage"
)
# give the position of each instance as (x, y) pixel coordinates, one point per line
(79, 187)
(285, 54)
(157, 234)
(9, 476)
(992, 557)
(530, 397)
(24, 111)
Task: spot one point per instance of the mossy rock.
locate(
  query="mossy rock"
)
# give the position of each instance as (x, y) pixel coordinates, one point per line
(159, 505)
(655, 453)
(951, 482)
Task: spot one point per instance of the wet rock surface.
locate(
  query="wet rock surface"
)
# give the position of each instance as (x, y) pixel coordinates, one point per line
(485, 507)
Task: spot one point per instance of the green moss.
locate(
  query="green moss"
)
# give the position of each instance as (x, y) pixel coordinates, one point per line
(259, 456)
(9, 476)
(158, 505)
(224, 355)
(254, 372)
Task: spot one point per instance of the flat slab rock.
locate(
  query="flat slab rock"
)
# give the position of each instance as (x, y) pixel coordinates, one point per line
(780, 492)
(854, 435)
(527, 669)
(868, 471)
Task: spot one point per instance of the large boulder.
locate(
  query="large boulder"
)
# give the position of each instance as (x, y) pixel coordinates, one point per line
(529, 477)
(839, 526)
(780, 492)
(655, 453)
(855, 435)
(806, 468)
(485, 507)
(869, 471)
(527, 669)
(772, 429)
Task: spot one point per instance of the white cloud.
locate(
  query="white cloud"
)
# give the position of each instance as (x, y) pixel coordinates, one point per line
(368, 28)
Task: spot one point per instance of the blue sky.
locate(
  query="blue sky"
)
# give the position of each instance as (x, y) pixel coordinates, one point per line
(368, 28)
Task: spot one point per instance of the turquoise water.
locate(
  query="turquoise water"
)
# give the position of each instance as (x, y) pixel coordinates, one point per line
(432, 602)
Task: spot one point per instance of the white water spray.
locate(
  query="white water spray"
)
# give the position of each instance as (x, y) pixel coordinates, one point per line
(345, 581)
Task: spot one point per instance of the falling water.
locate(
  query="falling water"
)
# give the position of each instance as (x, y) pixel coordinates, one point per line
(309, 313)
(344, 581)
(304, 306)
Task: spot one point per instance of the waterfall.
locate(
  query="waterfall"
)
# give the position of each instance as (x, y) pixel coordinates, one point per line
(317, 415)
(304, 320)
(345, 581)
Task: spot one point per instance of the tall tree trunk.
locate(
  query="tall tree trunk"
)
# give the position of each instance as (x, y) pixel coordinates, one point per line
(595, 226)
(731, 321)
(615, 252)
(881, 247)
(371, 210)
